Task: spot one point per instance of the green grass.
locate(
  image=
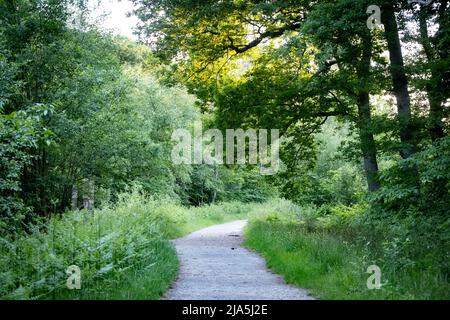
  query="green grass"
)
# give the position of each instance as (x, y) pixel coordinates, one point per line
(123, 251)
(146, 280)
(201, 217)
(333, 266)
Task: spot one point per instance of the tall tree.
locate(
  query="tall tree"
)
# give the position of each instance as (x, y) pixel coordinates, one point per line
(436, 50)
(210, 37)
(408, 132)
(368, 146)
(347, 43)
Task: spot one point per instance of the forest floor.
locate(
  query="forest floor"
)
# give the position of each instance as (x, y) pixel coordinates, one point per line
(215, 266)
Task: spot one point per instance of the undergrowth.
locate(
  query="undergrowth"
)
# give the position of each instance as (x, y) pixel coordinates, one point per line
(328, 251)
(123, 251)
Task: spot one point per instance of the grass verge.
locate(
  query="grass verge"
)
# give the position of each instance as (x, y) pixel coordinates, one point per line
(332, 261)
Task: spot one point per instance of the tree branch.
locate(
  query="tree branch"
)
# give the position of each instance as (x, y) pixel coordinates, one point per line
(268, 34)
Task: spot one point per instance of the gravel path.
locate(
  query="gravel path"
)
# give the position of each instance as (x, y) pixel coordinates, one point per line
(215, 266)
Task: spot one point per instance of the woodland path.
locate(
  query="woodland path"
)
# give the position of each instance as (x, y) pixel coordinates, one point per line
(215, 266)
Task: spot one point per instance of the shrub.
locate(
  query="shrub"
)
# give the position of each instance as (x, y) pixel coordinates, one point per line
(123, 250)
(411, 210)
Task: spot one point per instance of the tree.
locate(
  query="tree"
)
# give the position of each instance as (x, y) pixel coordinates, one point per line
(274, 91)
(110, 119)
(408, 132)
(346, 42)
(435, 48)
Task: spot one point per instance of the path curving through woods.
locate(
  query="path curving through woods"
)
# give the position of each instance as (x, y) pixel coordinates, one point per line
(215, 266)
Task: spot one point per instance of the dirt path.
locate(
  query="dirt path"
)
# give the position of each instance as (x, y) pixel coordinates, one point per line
(215, 266)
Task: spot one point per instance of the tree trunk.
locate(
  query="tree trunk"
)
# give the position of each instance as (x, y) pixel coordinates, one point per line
(368, 146)
(74, 198)
(434, 92)
(216, 176)
(400, 81)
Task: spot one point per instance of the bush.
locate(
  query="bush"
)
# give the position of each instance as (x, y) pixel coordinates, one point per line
(20, 132)
(105, 244)
(123, 251)
(411, 210)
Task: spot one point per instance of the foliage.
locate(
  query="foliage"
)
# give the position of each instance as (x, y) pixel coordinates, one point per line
(330, 254)
(415, 210)
(85, 115)
(111, 120)
(20, 133)
(122, 250)
(329, 178)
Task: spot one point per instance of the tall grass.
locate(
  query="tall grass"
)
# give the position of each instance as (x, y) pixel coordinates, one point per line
(123, 251)
(330, 257)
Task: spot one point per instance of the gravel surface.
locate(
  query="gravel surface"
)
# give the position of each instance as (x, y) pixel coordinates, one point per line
(215, 266)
